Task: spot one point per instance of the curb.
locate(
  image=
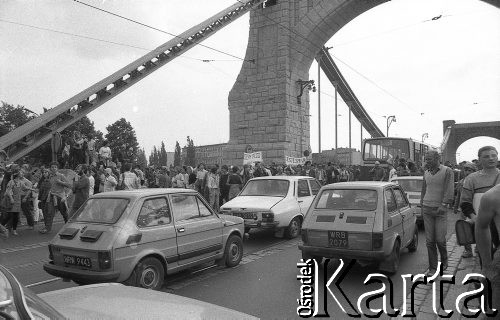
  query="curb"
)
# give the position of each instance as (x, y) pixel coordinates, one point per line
(423, 293)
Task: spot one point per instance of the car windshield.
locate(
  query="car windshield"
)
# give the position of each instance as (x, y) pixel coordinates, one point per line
(101, 210)
(410, 185)
(266, 187)
(347, 199)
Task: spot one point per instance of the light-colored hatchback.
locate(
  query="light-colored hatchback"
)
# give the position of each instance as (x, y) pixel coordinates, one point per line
(412, 185)
(277, 203)
(139, 236)
(366, 221)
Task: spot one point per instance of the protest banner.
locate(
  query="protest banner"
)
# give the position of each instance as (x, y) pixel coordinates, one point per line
(251, 158)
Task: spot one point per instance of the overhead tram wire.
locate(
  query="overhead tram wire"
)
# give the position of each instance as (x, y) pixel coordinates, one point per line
(411, 108)
(106, 41)
(160, 30)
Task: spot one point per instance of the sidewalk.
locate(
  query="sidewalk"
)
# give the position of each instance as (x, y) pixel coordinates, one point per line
(458, 267)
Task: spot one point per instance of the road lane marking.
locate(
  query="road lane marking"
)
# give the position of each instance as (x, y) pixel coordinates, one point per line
(29, 264)
(25, 247)
(42, 282)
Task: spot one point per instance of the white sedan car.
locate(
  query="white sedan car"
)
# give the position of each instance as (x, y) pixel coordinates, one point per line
(278, 203)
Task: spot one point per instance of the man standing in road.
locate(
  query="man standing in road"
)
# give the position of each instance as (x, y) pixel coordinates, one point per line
(437, 195)
(109, 181)
(468, 168)
(378, 172)
(477, 183)
(489, 213)
(81, 187)
(57, 197)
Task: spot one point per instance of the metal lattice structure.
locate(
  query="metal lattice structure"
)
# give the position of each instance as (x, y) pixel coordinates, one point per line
(31, 135)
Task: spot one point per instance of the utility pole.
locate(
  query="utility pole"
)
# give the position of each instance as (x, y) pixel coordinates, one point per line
(319, 108)
(350, 134)
(336, 116)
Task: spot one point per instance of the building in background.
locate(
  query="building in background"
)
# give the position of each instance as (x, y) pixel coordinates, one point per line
(340, 155)
(209, 154)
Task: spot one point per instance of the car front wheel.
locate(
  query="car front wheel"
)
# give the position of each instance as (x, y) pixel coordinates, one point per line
(234, 251)
(149, 274)
(293, 229)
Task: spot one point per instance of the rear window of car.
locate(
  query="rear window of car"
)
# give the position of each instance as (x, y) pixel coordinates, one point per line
(410, 185)
(347, 199)
(101, 210)
(266, 187)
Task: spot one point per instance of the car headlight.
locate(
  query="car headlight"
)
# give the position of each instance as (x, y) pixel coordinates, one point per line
(267, 217)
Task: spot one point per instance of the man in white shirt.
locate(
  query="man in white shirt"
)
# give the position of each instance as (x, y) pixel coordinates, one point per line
(90, 175)
(109, 180)
(105, 153)
(392, 172)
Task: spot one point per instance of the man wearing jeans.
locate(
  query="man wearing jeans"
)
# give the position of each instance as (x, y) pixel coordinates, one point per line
(437, 195)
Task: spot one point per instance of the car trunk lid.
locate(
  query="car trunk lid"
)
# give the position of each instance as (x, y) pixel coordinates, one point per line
(347, 229)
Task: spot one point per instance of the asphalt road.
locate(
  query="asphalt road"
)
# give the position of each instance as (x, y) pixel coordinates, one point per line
(264, 285)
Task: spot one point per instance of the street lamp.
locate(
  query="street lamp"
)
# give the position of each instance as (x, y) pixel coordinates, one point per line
(425, 136)
(390, 119)
(309, 84)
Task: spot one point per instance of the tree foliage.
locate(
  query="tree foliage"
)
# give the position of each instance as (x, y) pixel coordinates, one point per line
(162, 155)
(122, 140)
(141, 158)
(177, 154)
(12, 117)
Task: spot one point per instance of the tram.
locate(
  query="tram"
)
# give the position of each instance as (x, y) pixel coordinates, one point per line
(392, 150)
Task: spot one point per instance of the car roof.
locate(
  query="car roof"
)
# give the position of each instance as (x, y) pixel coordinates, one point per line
(290, 178)
(143, 192)
(359, 185)
(408, 178)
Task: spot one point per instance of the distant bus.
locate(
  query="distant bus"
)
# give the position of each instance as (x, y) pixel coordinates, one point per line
(388, 149)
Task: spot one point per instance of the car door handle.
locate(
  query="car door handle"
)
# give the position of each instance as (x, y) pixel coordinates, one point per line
(300, 201)
(181, 229)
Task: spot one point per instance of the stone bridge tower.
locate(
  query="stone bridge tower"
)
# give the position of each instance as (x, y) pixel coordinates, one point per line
(457, 133)
(284, 38)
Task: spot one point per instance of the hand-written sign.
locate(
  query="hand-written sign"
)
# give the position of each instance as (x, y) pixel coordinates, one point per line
(249, 158)
(291, 161)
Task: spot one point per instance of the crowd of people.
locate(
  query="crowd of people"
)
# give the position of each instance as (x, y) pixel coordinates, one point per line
(40, 193)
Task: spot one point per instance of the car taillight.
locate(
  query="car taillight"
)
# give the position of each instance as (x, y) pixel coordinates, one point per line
(51, 253)
(267, 217)
(377, 240)
(304, 236)
(104, 258)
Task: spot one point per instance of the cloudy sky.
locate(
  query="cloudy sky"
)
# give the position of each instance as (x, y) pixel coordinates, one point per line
(395, 57)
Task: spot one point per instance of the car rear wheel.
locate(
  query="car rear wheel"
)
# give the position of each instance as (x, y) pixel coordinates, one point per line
(234, 251)
(393, 263)
(293, 229)
(412, 247)
(149, 274)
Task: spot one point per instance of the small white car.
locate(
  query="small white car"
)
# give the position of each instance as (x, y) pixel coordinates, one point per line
(277, 203)
(412, 185)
